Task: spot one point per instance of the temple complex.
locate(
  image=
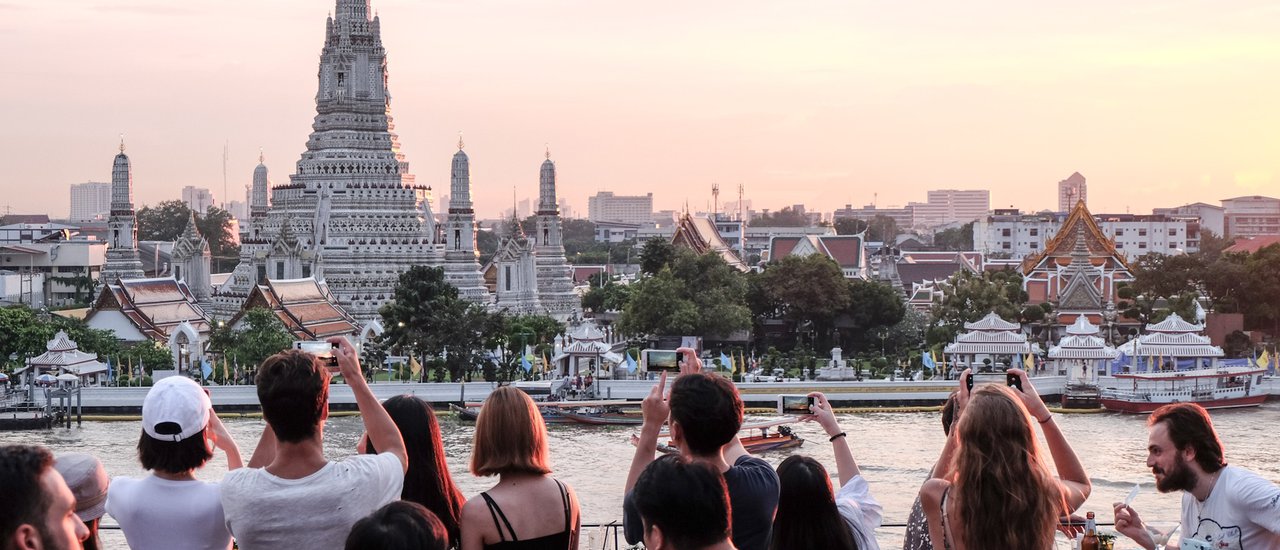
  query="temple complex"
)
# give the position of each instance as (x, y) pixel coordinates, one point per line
(1078, 270)
(1169, 345)
(122, 245)
(700, 235)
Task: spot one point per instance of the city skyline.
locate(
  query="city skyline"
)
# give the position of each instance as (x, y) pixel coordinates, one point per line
(830, 105)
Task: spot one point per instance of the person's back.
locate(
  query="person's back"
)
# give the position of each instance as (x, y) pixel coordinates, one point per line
(706, 413)
(527, 509)
(171, 509)
(683, 505)
(291, 496)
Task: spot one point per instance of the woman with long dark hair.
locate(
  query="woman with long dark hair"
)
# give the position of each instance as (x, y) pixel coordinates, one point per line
(813, 515)
(999, 492)
(427, 482)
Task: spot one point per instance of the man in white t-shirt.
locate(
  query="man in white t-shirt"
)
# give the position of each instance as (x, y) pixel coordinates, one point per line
(290, 496)
(1223, 507)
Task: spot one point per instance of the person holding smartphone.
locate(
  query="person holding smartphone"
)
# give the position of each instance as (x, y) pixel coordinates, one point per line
(998, 492)
(812, 515)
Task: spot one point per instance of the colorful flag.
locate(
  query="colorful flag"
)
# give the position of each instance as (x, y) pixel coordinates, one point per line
(226, 373)
(110, 371)
(1264, 362)
(415, 368)
(525, 364)
(631, 363)
(928, 362)
(1029, 363)
(726, 362)
(205, 369)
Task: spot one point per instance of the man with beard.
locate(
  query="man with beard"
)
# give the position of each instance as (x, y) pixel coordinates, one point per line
(1223, 507)
(37, 510)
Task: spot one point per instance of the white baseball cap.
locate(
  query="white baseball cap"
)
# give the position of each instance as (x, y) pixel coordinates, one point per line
(176, 408)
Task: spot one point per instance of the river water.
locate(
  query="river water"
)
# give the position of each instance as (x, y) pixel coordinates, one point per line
(894, 450)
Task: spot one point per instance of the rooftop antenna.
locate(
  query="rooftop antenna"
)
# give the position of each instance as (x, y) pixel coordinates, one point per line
(715, 201)
(740, 212)
(122, 142)
(461, 145)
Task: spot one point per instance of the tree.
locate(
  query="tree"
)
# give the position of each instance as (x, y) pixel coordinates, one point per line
(1212, 245)
(957, 238)
(610, 296)
(167, 220)
(969, 296)
(880, 228)
(787, 217)
(215, 225)
(874, 308)
(258, 335)
(428, 318)
(656, 254)
(1163, 276)
(809, 291)
(23, 334)
(696, 295)
(163, 222)
(487, 241)
(1150, 308)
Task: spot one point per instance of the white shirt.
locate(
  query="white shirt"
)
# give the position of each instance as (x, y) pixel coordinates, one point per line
(860, 511)
(311, 513)
(157, 513)
(1241, 513)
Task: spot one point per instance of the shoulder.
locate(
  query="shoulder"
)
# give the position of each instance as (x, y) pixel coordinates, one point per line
(381, 462)
(474, 511)
(932, 491)
(750, 466)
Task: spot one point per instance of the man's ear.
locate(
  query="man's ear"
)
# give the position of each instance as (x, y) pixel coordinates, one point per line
(26, 537)
(1189, 454)
(658, 542)
(677, 433)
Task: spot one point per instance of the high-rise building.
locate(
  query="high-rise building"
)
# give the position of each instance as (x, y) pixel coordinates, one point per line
(946, 206)
(198, 199)
(1251, 216)
(608, 207)
(1071, 191)
(90, 201)
(122, 260)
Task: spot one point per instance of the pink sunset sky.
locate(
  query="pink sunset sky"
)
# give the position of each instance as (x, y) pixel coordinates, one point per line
(824, 103)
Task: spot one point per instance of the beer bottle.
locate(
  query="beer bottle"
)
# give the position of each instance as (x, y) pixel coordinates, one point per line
(1090, 540)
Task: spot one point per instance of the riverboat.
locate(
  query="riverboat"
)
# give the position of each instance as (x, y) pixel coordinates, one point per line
(557, 412)
(1220, 388)
(765, 441)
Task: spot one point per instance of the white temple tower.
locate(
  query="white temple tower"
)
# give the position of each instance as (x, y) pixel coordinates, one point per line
(462, 266)
(191, 260)
(555, 280)
(351, 214)
(122, 227)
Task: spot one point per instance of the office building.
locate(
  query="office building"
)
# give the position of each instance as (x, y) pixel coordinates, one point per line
(605, 206)
(1251, 216)
(90, 201)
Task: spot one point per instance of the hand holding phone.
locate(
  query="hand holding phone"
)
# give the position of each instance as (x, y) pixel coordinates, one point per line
(1013, 380)
(795, 404)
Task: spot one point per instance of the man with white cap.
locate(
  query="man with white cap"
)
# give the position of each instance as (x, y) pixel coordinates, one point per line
(88, 482)
(170, 508)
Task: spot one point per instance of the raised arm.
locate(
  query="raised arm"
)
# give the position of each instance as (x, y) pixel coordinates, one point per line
(942, 468)
(265, 452)
(846, 466)
(655, 411)
(222, 440)
(1071, 475)
(382, 431)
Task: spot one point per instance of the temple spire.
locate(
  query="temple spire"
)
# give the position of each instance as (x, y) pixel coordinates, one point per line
(122, 143)
(461, 145)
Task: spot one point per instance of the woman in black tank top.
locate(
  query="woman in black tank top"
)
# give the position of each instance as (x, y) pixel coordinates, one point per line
(527, 509)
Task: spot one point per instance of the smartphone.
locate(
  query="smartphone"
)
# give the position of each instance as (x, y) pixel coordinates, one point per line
(660, 359)
(323, 350)
(968, 383)
(795, 404)
(1013, 381)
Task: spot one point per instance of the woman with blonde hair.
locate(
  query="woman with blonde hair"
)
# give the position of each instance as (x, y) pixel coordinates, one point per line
(527, 509)
(998, 492)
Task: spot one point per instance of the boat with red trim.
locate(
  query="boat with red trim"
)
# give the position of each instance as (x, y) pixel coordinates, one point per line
(1215, 388)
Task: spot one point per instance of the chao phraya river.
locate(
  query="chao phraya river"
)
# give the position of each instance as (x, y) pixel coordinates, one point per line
(894, 450)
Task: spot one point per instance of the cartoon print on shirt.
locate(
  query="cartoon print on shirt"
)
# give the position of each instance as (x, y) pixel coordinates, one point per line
(1218, 537)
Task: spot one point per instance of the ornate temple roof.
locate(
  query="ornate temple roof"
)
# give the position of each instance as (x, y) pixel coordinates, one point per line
(154, 306)
(63, 353)
(305, 306)
(1060, 248)
(1175, 324)
(1082, 342)
(700, 235)
(848, 251)
(992, 322)
(1082, 327)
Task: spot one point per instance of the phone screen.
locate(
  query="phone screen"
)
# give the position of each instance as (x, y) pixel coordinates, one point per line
(661, 359)
(794, 404)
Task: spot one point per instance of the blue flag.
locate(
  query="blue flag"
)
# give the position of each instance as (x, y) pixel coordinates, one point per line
(927, 361)
(631, 363)
(205, 369)
(110, 371)
(725, 361)
(525, 364)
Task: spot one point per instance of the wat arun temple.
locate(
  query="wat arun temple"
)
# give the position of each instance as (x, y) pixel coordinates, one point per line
(352, 215)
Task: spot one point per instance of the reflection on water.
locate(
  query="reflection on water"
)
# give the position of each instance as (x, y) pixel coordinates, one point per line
(894, 450)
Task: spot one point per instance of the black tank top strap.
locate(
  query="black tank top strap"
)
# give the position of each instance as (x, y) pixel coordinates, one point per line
(496, 512)
(564, 496)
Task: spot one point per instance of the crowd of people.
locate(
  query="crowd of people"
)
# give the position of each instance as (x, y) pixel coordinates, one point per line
(990, 488)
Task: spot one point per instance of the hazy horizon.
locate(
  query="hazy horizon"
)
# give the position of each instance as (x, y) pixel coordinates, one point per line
(825, 104)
